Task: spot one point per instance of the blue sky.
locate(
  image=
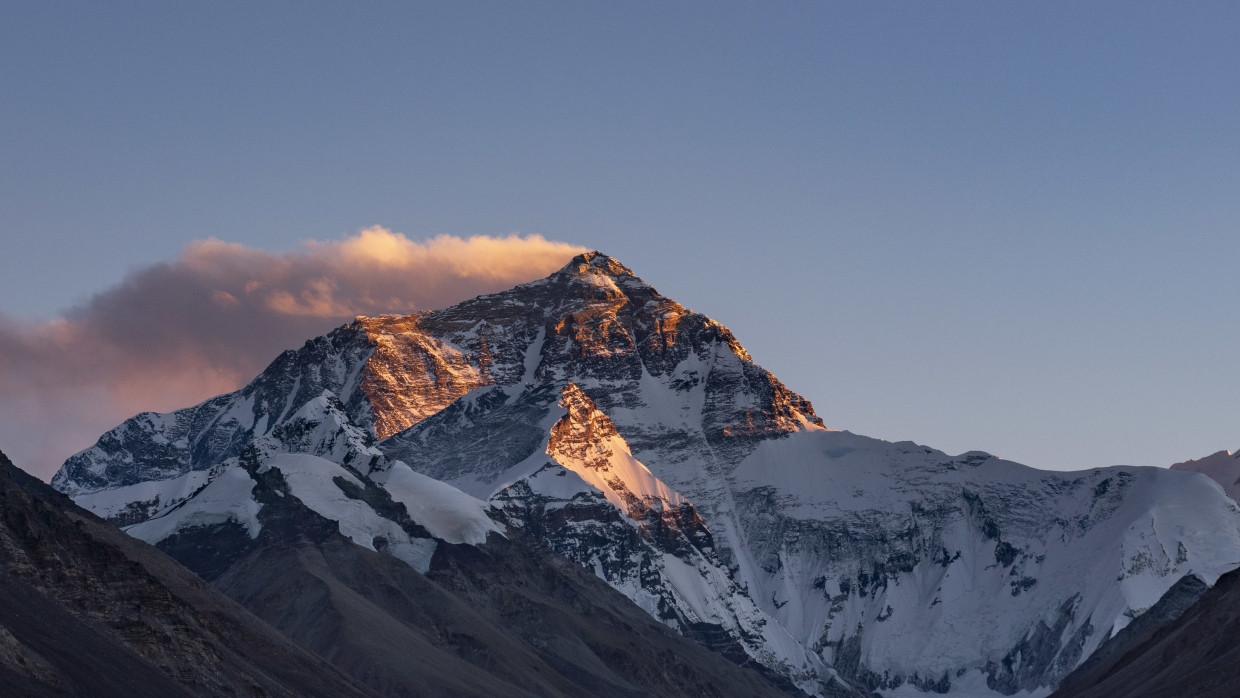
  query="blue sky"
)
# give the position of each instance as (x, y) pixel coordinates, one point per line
(999, 226)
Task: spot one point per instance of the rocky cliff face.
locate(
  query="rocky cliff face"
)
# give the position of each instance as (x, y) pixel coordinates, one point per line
(640, 440)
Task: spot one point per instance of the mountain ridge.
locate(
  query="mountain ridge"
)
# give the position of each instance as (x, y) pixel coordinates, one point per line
(1222, 466)
(816, 549)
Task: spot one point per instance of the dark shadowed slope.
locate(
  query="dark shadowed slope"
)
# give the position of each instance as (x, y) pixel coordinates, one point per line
(86, 610)
(1196, 654)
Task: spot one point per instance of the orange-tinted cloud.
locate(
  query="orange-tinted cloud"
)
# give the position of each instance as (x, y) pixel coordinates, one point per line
(171, 335)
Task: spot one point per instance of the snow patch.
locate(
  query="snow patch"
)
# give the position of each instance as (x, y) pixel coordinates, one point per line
(153, 496)
(311, 479)
(442, 509)
(229, 497)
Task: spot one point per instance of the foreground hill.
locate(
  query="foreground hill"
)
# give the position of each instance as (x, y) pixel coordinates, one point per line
(1195, 654)
(640, 440)
(86, 610)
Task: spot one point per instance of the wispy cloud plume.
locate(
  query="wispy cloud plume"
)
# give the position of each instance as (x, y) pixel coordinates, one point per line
(172, 334)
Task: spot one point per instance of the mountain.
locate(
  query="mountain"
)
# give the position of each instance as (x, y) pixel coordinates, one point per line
(88, 611)
(1222, 467)
(609, 424)
(1193, 654)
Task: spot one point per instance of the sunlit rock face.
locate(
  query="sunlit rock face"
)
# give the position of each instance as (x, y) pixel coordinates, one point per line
(640, 440)
(411, 375)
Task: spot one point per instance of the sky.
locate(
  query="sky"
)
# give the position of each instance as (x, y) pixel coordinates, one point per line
(996, 226)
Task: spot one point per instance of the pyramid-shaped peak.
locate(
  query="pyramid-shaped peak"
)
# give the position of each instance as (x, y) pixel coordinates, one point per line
(596, 263)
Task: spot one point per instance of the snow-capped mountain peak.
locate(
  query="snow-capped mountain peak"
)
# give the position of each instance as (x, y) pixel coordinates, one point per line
(589, 266)
(638, 439)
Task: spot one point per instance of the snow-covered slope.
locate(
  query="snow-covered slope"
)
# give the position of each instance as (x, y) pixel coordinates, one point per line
(321, 458)
(1006, 572)
(640, 440)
